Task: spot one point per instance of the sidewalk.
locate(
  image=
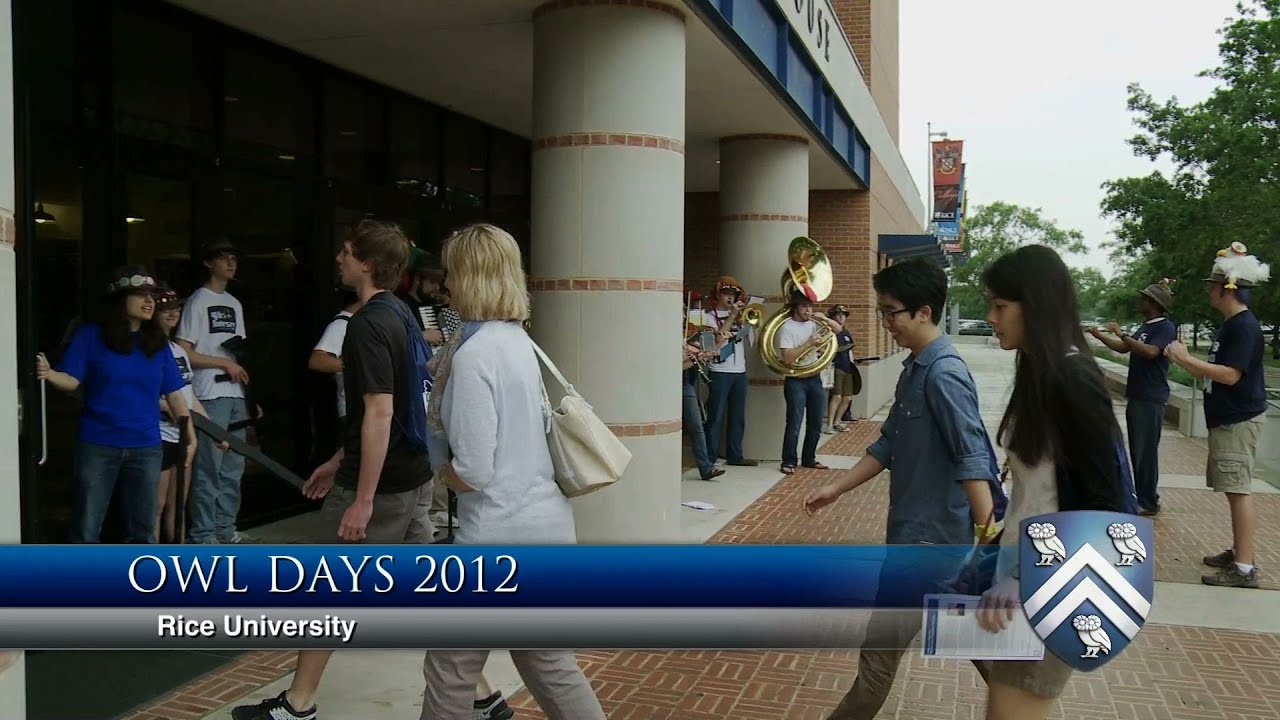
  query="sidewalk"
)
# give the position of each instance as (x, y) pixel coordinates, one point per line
(1206, 653)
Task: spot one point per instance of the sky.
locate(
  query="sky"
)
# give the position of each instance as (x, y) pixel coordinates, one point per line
(1037, 91)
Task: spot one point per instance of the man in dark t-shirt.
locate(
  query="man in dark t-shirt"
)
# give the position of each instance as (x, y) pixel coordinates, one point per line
(377, 488)
(1147, 389)
(846, 384)
(1235, 406)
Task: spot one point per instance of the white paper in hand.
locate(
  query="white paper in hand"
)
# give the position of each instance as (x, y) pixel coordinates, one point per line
(951, 631)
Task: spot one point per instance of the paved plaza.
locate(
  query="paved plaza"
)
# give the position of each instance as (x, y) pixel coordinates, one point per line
(1206, 653)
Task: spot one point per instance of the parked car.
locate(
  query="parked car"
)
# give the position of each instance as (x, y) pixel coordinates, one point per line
(978, 327)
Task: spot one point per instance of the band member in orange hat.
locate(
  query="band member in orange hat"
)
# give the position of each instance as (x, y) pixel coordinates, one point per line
(728, 399)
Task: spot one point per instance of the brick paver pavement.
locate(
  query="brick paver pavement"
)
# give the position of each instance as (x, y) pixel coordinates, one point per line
(1167, 673)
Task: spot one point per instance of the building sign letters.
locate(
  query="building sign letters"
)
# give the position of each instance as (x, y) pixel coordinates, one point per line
(817, 19)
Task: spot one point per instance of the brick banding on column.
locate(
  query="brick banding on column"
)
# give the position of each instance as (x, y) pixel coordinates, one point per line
(8, 229)
(605, 285)
(765, 136)
(663, 427)
(763, 217)
(555, 5)
(584, 139)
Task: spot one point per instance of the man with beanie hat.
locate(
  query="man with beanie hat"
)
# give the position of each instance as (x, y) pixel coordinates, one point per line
(1147, 389)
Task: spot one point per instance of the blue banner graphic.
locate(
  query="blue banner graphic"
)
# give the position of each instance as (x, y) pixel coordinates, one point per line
(366, 576)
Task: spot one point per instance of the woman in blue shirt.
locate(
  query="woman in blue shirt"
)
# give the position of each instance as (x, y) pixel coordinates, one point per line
(122, 366)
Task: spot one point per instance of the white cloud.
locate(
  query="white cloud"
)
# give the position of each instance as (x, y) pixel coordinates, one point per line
(1037, 92)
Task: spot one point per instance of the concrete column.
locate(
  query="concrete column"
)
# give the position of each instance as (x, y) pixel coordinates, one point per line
(13, 690)
(764, 204)
(608, 243)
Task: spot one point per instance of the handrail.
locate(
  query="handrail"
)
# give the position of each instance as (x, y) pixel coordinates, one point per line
(44, 425)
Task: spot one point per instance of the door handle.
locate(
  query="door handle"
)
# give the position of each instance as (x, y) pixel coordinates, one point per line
(44, 425)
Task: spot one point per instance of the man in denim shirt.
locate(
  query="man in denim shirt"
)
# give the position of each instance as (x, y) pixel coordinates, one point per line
(944, 486)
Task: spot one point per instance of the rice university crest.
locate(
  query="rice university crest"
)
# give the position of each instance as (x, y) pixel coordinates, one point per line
(1088, 579)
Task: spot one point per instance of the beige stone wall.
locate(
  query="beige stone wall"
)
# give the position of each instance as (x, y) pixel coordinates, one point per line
(884, 63)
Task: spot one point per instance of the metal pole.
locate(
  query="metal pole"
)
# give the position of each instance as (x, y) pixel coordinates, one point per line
(928, 174)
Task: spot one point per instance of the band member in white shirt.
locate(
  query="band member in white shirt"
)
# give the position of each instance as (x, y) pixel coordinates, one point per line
(806, 398)
(728, 398)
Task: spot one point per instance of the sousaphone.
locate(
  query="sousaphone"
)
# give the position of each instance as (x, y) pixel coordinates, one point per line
(809, 274)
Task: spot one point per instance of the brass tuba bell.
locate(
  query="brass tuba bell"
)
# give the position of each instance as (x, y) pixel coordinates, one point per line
(808, 273)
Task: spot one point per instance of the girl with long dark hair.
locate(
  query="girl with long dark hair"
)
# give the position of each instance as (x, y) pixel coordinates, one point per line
(123, 366)
(1061, 436)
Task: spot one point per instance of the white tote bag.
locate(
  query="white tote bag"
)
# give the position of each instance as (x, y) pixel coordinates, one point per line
(586, 455)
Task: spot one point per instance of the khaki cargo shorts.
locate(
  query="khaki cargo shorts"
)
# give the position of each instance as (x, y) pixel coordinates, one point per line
(1232, 449)
(398, 518)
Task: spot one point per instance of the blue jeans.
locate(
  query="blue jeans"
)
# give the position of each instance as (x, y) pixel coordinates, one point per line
(807, 402)
(697, 433)
(727, 401)
(1145, 419)
(215, 489)
(100, 469)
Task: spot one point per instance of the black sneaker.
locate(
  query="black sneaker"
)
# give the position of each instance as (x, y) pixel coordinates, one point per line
(492, 708)
(744, 463)
(1232, 577)
(1149, 512)
(277, 708)
(1224, 559)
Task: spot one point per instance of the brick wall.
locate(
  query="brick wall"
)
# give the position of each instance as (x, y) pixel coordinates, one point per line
(840, 221)
(701, 240)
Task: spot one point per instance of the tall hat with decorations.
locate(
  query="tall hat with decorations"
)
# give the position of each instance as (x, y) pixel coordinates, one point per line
(730, 283)
(1236, 268)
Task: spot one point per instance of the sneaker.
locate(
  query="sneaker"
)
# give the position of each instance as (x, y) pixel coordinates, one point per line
(713, 473)
(1232, 577)
(827, 430)
(441, 520)
(1224, 559)
(277, 708)
(1149, 512)
(492, 708)
(841, 428)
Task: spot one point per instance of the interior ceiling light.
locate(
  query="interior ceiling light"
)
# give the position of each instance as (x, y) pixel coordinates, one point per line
(43, 217)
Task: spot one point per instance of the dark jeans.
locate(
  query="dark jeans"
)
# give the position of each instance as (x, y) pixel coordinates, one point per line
(807, 402)
(727, 401)
(99, 470)
(1145, 419)
(697, 433)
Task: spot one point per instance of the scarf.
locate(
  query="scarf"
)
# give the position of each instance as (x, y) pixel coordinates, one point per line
(441, 366)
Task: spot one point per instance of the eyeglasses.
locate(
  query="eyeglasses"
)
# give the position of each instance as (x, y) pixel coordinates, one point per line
(888, 315)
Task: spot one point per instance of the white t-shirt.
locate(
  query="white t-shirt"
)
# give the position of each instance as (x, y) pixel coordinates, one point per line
(794, 333)
(169, 431)
(208, 320)
(737, 362)
(331, 342)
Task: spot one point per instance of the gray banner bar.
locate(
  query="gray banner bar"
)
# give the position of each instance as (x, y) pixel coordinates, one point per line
(288, 628)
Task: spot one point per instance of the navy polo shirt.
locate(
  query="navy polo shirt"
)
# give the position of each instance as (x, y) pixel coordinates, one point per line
(1149, 379)
(1239, 344)
(121, 392)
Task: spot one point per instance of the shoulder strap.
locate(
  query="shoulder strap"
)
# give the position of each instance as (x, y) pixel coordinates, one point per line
(555, 371)
(338, 317)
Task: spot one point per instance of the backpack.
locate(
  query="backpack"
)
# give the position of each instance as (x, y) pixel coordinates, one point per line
(1069, 500)
(413, 421)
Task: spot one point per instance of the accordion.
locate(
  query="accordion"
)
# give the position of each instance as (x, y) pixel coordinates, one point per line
(439, 317)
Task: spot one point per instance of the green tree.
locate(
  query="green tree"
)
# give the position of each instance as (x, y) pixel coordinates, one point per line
(1091, 291)
(993, 230)
(1225, 182)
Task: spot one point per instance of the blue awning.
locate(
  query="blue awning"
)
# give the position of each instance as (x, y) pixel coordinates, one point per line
(903, 247)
